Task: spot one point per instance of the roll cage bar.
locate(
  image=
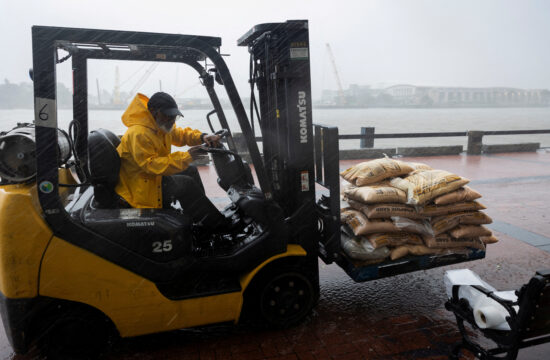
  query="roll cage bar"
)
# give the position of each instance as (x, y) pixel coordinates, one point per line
(83, 44)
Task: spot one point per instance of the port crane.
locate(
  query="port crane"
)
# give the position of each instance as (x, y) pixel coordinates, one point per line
(341, 98)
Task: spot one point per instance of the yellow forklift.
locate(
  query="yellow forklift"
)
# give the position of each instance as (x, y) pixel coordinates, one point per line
(77, 268)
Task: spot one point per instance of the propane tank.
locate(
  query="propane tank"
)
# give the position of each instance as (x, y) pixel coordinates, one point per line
(18, 153)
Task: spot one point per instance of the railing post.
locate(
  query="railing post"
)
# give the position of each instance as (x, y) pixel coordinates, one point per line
(368, 140)
(475, 142)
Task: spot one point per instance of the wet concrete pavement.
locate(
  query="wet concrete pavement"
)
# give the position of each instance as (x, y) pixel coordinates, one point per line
(402, 317)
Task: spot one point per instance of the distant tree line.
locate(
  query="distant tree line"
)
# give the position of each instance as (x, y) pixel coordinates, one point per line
(20, 96)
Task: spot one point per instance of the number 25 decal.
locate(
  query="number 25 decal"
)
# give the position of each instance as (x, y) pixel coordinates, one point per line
(162, 246)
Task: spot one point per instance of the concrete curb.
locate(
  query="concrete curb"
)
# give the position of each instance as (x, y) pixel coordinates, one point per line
(430, 150)
(366, 153)
(506, 148)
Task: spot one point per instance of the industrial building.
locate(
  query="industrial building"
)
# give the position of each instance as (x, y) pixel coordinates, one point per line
(406, 95)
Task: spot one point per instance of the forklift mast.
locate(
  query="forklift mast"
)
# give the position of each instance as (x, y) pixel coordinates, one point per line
(280, 69)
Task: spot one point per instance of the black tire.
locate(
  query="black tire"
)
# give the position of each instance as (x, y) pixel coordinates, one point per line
(280, 297)
(77, 334)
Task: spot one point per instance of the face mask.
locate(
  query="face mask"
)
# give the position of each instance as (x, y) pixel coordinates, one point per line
(166, 128)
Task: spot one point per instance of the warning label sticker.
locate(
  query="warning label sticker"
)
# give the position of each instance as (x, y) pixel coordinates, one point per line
(304, 177)
(299, 53)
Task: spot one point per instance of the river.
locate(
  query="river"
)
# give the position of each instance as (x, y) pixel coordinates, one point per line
(349, 121)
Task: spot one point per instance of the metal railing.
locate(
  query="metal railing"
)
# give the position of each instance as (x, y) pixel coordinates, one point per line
(475, 137)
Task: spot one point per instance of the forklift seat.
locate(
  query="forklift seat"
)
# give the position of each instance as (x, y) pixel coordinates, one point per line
(104, 166)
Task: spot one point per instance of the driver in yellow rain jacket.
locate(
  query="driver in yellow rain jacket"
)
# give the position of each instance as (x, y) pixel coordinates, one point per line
(151, 176)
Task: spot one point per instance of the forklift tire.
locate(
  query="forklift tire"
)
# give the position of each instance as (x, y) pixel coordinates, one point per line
(280, 297)
(76, 334)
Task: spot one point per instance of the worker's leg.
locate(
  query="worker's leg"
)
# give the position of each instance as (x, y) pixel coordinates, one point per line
(193, 172)
(192, 199)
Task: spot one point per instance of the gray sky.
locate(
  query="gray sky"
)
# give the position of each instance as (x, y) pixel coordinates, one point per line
(424, 42)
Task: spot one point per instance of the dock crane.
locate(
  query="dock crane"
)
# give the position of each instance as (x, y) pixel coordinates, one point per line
(341, 98)
(142, 79)
(116, 90)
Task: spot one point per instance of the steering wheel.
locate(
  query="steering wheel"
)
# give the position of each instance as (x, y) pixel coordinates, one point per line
(223, 133)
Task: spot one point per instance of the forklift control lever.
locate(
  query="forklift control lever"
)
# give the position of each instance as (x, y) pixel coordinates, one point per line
(214, 150)
(222, 133)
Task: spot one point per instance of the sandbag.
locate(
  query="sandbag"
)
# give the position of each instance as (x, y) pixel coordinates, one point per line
(373, 171)
(344, 185)
(393, 239)
(359, 206)
(465, 193)
(443, 223)
(385, 210)
(431, 210)
(359, 248)
(379, 193)
(445, 241)
(422, 227)
(465, 231)
(476, 218)
(424, 185)
(361, 225)
(419, 166)
(405, 250)
(356, 220)
(488, 239)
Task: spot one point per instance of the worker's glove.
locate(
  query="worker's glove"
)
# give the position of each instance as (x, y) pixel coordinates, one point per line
(211, 140)
(197, 152)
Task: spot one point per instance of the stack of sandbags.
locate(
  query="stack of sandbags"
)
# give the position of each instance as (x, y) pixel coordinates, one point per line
(451, 207)
(377, 212)
(409, 208)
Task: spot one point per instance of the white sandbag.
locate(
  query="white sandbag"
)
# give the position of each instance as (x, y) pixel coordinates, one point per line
(359, 248)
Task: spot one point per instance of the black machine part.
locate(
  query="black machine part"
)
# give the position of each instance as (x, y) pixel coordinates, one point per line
(158, 234)
(235, 177)
(104, 167)
(254, 206)
(18, 153)
(232, 170)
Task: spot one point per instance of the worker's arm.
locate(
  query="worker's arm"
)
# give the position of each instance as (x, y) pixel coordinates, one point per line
(146, 156)
(187, 136)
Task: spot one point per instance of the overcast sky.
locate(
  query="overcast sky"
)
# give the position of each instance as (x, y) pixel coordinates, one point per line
(423, 42)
